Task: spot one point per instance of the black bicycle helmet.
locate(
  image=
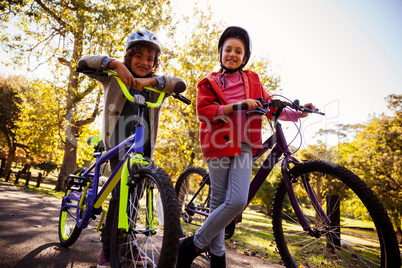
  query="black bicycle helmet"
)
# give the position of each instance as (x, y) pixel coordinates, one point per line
(242, 34)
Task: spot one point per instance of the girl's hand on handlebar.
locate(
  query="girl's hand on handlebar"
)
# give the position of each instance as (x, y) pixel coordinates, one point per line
(252, 104)
(305, 113)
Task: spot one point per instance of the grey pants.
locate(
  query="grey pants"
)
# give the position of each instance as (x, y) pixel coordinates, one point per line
(230, 183)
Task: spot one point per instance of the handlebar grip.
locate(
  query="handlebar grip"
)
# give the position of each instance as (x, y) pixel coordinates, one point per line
(180, 87)
(276, 103)
(243, 106)
(87, 70)
(181, 98)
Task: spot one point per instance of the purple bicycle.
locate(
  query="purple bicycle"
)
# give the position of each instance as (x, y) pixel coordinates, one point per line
(323, 214)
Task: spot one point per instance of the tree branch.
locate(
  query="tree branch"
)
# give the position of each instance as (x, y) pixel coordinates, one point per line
(94, 113)
(65, 63)
(52, 14)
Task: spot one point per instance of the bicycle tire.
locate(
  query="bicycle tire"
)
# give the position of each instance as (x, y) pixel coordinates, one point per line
(346, 244)
(158, 244)
(186, 186)
(230, 229)
(67, 230)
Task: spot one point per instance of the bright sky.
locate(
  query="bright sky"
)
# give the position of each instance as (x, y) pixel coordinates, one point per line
(344, 56)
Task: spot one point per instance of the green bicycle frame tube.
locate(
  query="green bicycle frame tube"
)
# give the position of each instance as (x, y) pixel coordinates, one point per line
(150, 208)
(123, 221)
(110, 187)
(130, 98)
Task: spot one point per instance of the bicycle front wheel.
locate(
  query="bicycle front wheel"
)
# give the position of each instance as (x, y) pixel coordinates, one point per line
(360, 233)
(193, 199)
(153, 236)
(67, 229)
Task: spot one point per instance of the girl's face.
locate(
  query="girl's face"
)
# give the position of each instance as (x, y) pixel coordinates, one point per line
(233, 53)
(143, 61)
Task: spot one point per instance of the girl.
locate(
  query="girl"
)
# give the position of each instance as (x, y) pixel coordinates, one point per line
(141, 62)
(228, 139)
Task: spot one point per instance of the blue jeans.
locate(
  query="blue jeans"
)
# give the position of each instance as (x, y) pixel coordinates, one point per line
(230, 183)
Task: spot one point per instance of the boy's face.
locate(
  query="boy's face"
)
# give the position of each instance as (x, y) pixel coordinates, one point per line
(143, 61)
(233, 52)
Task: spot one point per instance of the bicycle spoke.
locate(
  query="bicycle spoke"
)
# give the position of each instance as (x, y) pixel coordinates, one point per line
(356, 237)
(193, 199)
(151, 227)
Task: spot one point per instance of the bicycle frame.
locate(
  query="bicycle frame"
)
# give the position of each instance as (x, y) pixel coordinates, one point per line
(280, 148)
(90, 200)
(276, 142)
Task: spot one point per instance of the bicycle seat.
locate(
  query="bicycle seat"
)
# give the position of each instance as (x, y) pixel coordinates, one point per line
(97, 143)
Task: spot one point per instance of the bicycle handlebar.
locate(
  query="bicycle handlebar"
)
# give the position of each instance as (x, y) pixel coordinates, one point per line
(181, 98)
(238, 107)
(127, 93)
(294, 105)
(277, 104)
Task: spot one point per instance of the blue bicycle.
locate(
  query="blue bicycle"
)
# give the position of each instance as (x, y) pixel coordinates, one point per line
(146, 222)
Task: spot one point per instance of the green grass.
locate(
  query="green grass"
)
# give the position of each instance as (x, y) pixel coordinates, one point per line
(44, 189)
(253, 236)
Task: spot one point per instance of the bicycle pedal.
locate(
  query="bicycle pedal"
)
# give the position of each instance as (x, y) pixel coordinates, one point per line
(74, 182)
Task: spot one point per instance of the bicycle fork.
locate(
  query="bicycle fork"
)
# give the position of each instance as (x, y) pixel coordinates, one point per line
(307, 186)
(136, 159)
(295, 205)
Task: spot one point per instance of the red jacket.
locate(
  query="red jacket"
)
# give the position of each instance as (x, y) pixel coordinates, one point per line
(218, 138)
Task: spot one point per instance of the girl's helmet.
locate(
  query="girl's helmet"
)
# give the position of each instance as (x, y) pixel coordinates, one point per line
(237, 32)
(145, 37)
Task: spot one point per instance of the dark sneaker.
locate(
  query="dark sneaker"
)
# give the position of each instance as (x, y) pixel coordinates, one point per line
(218, 261)
(104, 261)
(136, 257)
(187, 253)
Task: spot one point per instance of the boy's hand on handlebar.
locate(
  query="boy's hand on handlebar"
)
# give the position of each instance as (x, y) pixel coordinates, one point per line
(128, 79)
(121, 71)
(140, 83)
(305, 113)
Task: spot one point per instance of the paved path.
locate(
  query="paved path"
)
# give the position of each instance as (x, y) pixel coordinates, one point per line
(28, 236)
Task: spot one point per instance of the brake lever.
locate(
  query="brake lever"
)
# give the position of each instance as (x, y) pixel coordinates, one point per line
(259, 110)
(316, 111)
(305, 109)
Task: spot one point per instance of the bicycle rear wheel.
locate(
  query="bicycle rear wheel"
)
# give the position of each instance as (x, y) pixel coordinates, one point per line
(67, 229)
(193, 207)
(153, 236)
(361, 233)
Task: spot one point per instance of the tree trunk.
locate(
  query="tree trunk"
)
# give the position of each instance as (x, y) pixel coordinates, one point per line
(69, 164)
(318, 219)
(70, 157)
(191, 160)
(399, 233)
(268, 208)
(10, 160)
(334, 212)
